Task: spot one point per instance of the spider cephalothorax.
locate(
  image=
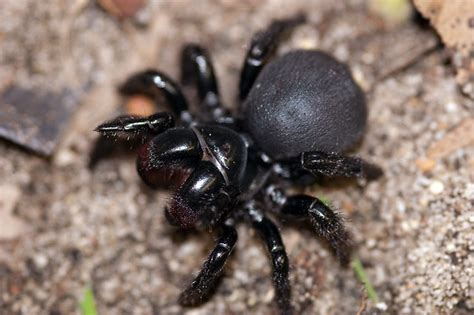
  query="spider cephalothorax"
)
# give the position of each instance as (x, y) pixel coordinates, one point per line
(298, 113)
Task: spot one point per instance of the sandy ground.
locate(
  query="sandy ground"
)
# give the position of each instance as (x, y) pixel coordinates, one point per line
(69, 228)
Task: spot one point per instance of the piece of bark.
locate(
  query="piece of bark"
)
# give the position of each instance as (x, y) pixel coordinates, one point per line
(454, 21)
(386, 53)
(35, 118)
(401, 48)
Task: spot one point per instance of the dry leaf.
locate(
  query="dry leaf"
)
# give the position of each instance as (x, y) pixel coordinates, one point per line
(461, 136)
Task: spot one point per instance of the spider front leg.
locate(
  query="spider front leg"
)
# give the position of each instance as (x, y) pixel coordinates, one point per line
(203, 285)
(127, 132)
(262, 47)
(269, 232)
(150, 83)
(326, 222)
(134, 127)
(196, 67)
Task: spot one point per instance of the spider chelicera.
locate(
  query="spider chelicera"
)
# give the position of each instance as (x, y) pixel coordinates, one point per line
(297, 113)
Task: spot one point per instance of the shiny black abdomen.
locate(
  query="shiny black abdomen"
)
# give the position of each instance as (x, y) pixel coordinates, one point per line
(302, 101)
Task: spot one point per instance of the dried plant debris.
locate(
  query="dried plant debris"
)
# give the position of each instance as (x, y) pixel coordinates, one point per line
(454, 21)
(385, 53)
(374, 52)
(459, 137)
(34, 118)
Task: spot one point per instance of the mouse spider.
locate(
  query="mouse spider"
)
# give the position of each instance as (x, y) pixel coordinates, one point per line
(298, 113)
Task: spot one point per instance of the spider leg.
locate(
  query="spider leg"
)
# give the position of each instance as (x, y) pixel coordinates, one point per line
(152, 83)
(127, 132)
(269, 232)
(329, 164)
(136, 127)
(326, 222)
(201, 287)
(196, 67)
(262, 47)
(335, 164)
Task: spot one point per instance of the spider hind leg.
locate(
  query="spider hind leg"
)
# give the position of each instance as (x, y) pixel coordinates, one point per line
(262, 47)
(270, 234)
(326, 222)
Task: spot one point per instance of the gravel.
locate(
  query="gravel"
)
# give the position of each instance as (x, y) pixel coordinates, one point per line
(413, 230)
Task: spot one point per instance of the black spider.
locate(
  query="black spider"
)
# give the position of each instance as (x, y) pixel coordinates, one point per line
(298, 112)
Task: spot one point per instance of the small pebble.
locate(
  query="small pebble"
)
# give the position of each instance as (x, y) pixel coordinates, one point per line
(40, 261)
(469, 191)
(307, 43)
(451, 107)
(268, 297)
(436, 187)
(65, 157)
(371, 243)
(381, 306)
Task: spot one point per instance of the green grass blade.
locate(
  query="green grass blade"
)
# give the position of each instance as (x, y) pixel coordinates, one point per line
(324, 200)
(362, 276)
(88, 303)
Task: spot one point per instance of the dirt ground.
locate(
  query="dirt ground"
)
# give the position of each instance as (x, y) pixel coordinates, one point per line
(64, 228)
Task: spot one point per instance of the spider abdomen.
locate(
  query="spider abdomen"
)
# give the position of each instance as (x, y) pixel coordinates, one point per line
(303, 101)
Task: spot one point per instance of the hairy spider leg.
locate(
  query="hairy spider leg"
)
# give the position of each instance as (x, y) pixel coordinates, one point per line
(327, 223)
(197, 68)
(330, 164)
(204, 284)
(333, 164)
(262, 48)
(270, 234)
